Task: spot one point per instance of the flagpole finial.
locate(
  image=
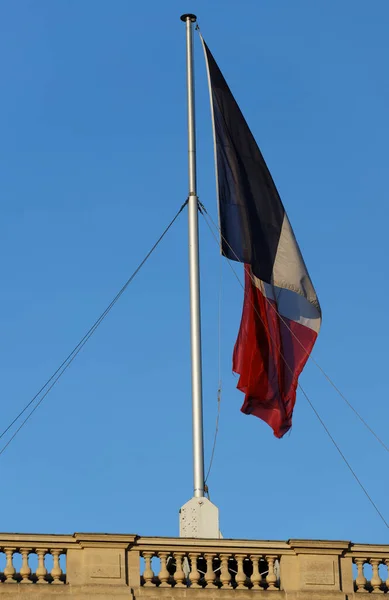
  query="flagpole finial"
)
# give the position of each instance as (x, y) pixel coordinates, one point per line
(187, 16)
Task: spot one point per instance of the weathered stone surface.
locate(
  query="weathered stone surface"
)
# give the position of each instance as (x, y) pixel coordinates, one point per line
(115, 567)
(316, 596)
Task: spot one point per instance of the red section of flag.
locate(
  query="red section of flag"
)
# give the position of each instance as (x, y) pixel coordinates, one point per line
(269, 358)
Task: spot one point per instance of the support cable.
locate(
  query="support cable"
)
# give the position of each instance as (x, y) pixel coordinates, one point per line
(205, 214)
(220, 385)
(69, 359)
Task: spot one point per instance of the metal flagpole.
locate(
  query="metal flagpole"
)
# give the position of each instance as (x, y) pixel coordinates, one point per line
(194, 274)
(198, 517)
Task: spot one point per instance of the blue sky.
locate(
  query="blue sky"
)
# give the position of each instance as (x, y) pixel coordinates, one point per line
(93, 166)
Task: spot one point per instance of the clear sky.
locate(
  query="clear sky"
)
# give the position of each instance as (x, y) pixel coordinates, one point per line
(93, 167)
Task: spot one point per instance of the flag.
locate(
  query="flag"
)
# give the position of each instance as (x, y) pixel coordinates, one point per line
(281, 313)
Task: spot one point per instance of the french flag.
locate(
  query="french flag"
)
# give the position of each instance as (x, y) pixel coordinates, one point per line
(281, 312)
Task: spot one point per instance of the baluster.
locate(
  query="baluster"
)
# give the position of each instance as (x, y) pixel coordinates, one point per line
(194, 575)
(25, 570)
(376, 580)
(225, 575)
(9, 570)
(256, 577)
(209, 575)
(240, 577)
(163, 575)
(361, 579)
(271, 578)
(56, 571)
(148, 574)
(179, 575)
(41, 571)
(386, 562)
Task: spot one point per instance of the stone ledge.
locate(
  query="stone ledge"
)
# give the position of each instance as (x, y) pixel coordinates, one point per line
(328, 547)
(316, 596)
(54, 592)
(107, 592)
(208, 594)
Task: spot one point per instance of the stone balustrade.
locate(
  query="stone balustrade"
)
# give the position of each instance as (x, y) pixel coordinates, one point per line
(224, 564)
(371, 565)
(33, 559)
(84, 566)
(27, 573)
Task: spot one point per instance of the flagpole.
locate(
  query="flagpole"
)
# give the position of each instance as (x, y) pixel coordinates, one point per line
(198, 517)
(194, 274)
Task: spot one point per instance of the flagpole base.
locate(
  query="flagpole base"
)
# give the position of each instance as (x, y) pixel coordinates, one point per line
(199, 518)
(187, 16)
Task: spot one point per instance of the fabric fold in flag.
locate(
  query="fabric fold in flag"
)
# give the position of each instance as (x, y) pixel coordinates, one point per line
(281, 313)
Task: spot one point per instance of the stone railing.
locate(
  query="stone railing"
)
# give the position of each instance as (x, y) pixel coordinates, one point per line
(29, 559)
(212, 564)
(371, 563)
(83, 566)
